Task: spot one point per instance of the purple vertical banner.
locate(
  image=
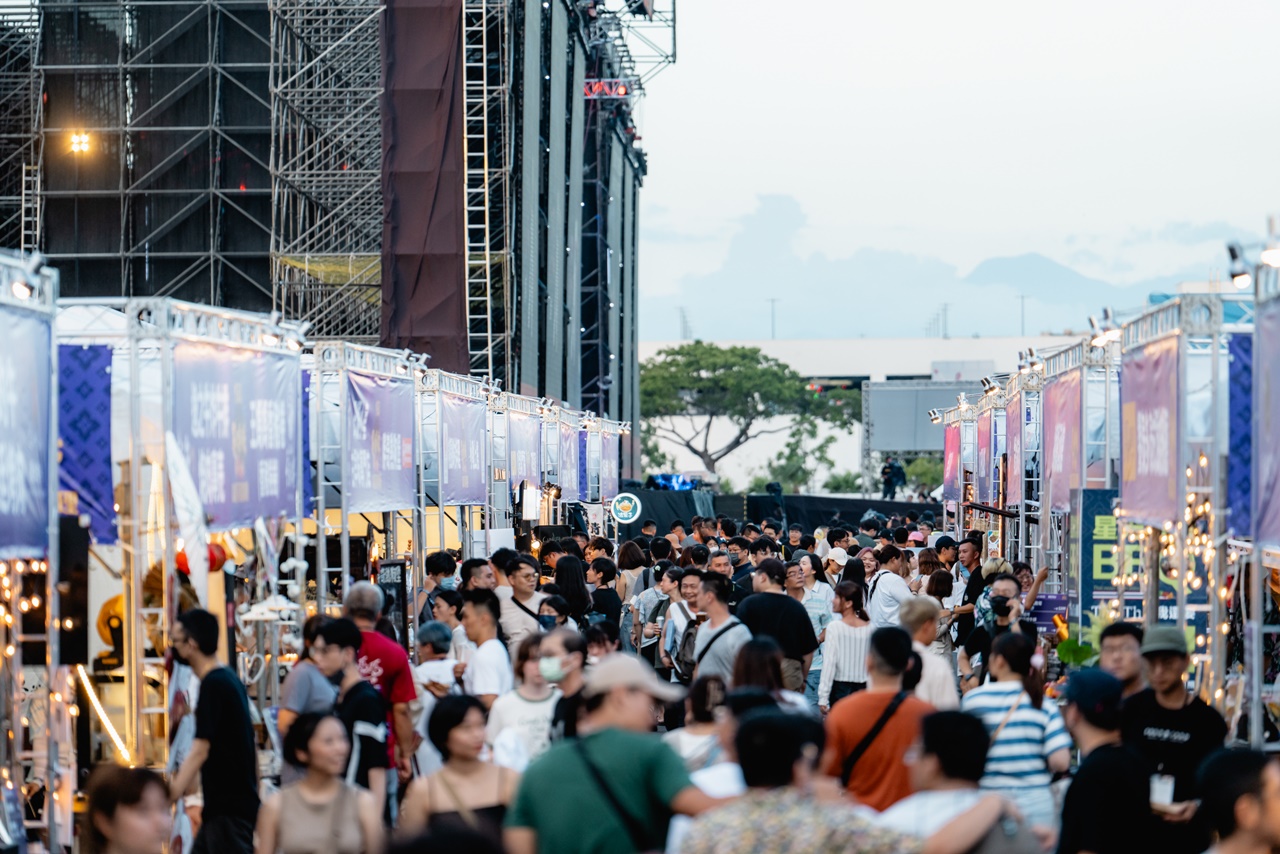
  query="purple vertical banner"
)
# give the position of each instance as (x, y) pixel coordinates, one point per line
(1266, 424)
(569, 463)
(84, 437)
(237, 417)
(378, 473)
(983, 478)
(584, 480)
(1015, 418)
(1061, 440)
(1150, 479)
(610, 454)
(308, 474)
(464, 438)
(524, 449)
(25, 413)
(951, 462)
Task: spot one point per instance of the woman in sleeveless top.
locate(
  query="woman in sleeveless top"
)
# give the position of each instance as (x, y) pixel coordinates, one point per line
(321, 813)
(466, 792)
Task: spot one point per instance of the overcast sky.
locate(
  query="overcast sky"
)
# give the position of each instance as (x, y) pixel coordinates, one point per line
(861, 160)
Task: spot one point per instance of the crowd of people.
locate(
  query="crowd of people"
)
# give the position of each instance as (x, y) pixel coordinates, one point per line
(718, 688)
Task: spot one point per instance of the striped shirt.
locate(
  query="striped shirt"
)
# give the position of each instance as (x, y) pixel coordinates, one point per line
(1017, 758)
(846, 657)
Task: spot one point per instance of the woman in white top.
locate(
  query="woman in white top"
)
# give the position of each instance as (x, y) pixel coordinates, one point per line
(887, 589)
(698, 741)
(519, 726)
(869, 563)
(844, 669)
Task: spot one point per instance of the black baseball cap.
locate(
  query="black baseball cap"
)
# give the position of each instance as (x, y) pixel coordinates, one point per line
(944, 542)
(1095, 692)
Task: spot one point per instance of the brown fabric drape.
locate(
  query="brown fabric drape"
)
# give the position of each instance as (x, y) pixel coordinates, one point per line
(424, 220)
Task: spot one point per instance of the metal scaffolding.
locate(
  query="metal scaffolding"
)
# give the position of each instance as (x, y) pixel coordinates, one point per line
(487, 149)
(19, 113)
(155, 147)
(326, 165)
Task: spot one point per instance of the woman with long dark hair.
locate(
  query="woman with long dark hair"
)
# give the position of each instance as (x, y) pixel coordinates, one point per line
(844, 669)
(940, 587)
(321, 813)
(1029, 743)
(571, 578)
(127, 812)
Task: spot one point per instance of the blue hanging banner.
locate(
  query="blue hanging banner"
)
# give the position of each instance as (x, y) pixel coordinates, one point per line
(25, 410)
(1240, 429)
(84, 438)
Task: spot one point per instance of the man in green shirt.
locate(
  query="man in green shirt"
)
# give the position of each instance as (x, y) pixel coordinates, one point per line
(616, 786)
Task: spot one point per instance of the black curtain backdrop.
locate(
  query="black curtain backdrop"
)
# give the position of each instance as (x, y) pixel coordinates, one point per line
(809, 511)
(423, 229)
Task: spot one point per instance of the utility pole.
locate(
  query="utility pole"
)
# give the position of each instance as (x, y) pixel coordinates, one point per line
(1022, 298)
(773, 317)
(944, 321)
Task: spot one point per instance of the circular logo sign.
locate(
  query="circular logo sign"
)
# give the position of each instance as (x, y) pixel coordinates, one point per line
(625, 508)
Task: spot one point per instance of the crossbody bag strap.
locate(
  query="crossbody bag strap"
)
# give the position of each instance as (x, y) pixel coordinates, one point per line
(852, 759)
(463, 810)
(1008, 716)
(521, 606)
(639, 835)
(875, 582)
(698, 660)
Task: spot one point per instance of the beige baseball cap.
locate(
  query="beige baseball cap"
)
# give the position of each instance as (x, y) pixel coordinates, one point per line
(624, 671)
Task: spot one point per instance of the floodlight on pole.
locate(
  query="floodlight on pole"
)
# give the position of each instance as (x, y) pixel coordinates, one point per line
(79, 143)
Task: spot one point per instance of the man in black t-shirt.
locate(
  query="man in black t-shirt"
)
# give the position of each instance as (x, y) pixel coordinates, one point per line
(360, 707)
(605, 600)
(1173, 732)
(229, 773)
(1105, 810)
(1006, 604)
(770, 611)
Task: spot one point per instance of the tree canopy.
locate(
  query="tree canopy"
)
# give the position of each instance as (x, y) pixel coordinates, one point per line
(687, 389)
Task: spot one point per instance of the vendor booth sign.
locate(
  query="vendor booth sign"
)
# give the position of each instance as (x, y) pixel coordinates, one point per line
(1062, 439)
(524, 448)
(951, 463)
(464, 436)
(379, 425)
(609, 456)
(983, 482)
(1015, 474)
(569, 463)
(236, 416)
(1266, 401)
(1149, 490)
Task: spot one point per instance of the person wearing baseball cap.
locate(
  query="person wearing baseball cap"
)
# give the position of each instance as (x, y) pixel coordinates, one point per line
(1173, 731)
(1105, 810)
(946, 548)
(614, 787)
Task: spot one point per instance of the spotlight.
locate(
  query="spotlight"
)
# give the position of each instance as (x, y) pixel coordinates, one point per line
(1239, 269)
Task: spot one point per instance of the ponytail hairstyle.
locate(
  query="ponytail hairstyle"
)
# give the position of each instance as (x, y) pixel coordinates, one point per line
(852, 592)
(1017, 650)
(888, 553)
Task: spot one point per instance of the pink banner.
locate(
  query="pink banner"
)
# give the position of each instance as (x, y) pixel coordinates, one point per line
(1266, 425)
(1014, 420)
(984, 494)
(1150, 476)
(951, 463)
(1062, 429)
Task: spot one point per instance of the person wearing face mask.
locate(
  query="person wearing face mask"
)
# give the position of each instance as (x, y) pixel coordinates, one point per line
(563, 655)
(127, 812)
(553, 613)
(524, 714)
(519, 602)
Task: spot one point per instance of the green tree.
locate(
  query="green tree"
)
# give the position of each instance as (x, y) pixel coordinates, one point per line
(687, 390)
(652, 457)
(925, 471)
(845, 481)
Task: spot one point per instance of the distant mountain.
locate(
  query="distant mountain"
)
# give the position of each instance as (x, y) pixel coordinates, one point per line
(1031, 269)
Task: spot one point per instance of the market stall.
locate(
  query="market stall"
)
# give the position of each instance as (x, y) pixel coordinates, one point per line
(1175, 464)
(1024, 460)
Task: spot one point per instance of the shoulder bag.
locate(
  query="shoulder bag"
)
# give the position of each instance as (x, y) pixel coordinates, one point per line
(637, 831)
(852, 759)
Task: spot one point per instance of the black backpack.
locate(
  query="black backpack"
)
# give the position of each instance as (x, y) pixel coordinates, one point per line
(685, 659)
